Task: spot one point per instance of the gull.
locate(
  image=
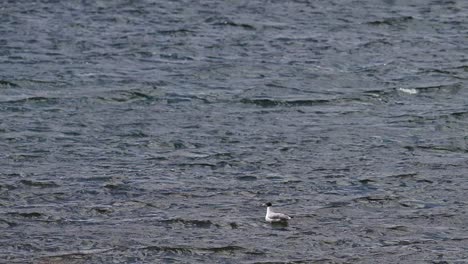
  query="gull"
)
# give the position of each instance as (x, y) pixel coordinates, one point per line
(273, 217)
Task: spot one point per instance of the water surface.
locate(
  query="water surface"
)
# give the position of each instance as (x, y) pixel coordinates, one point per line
(151, 131)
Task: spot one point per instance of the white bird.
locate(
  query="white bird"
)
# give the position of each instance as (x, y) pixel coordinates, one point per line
(273, 217)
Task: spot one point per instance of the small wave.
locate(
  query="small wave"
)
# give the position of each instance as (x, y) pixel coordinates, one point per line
(459, 115)
(408, 90)
(265, 102)
(443, 148)
(375, 43)
(4, 223)
(247, 178)
(391, 21)
(126, 96)
(41, 184)
(35, 99)
(407, 242)
(186, 250)
(221, 21)
(403, 175)
(375, 199)
(173, 98)
(175, 57)
(397, 227)
(295, 39)
(386, 95)
(168, 249)
(337, 204)
(451, 88)
(4, 83)
(64, 255)
(172, 32)
(26, 214)
(194, 223)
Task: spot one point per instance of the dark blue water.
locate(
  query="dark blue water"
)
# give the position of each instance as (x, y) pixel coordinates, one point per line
(151, 131)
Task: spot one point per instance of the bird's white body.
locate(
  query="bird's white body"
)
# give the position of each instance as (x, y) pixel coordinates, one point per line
(273, 217)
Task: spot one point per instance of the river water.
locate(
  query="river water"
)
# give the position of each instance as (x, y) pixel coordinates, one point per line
(152, 131)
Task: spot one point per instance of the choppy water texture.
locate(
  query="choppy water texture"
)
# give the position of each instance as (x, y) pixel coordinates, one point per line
(151, 131)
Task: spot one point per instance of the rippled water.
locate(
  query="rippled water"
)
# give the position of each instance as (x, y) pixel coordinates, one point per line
(151, 131)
